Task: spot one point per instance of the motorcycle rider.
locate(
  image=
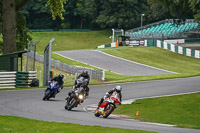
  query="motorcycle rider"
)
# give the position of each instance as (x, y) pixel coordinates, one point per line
(60, 81)
(85, 75)
(117, 89)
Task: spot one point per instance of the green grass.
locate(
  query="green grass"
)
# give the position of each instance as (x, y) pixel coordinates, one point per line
(182, 111)
(72, 40)
(11, 124)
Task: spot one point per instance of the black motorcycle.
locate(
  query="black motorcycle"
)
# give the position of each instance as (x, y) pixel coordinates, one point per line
(77, 96)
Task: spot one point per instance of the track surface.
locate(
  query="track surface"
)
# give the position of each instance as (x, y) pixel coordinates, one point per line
(29, 104)
(114, 64)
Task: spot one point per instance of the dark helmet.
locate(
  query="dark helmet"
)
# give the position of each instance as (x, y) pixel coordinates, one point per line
(61, 76)
(118, 88)
(86, 72)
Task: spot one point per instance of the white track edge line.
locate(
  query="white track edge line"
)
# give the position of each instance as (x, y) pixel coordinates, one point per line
(136, 62)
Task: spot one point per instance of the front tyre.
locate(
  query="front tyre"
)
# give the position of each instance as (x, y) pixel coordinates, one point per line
(97, 114)
(47, 95)
(108, 110)
(72, 103)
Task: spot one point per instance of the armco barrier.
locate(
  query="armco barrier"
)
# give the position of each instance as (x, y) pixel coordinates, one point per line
(94, 74)
(7, 80)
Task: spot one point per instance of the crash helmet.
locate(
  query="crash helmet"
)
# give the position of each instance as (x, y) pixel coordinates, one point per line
(61, 76)
(85, 71)
(118, 88)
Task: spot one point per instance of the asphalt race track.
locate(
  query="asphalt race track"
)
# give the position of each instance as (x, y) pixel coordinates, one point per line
(112, 63)
(29, 104)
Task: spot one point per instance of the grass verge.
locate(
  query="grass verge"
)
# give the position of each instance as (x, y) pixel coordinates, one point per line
(11, 124)
(182, 110)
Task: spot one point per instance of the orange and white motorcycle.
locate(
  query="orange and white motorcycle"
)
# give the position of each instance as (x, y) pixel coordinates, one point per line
(108, 106)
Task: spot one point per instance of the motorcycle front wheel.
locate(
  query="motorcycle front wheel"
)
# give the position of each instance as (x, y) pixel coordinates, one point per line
(47, 95)
(108, 110)
(66, 105)
(97, 114)
(72, 103)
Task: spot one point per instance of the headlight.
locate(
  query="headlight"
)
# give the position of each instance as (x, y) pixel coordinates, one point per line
(80, 97)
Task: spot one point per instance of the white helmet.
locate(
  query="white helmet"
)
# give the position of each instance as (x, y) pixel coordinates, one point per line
(118, 88)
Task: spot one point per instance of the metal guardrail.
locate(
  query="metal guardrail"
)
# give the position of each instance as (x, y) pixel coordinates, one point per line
(94, 74)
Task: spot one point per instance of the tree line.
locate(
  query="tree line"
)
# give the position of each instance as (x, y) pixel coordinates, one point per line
(17, 16)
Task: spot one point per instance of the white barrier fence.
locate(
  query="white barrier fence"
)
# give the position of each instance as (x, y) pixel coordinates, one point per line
(7, 80)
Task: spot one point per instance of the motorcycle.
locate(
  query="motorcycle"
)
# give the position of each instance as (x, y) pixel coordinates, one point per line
(108, 106)
(49, 92)
(77, 96)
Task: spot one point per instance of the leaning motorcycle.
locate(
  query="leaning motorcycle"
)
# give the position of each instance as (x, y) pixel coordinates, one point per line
(108, 106)
(77, 96)
(51, 88)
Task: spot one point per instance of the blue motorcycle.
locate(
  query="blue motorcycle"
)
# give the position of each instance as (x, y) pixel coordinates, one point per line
(51, 90)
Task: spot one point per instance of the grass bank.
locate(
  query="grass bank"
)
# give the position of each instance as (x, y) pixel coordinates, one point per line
(182, 111)
(11, 124)
(72, 40)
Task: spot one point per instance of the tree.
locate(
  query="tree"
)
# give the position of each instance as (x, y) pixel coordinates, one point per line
(181, 9)
(9, 11)
(115, 13)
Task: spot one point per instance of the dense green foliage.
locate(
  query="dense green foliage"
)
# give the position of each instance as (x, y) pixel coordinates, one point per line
(182, 111)
(108, 13)
(98, 14)
(12, 124)
(181, 9)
